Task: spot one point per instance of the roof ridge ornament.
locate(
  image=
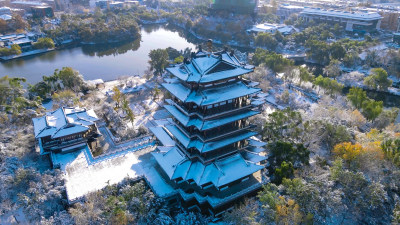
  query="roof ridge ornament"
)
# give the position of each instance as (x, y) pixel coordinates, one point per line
(209, 46)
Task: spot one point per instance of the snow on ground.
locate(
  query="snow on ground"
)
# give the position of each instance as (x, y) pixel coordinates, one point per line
(82, 178)
(110, 144)
(131, 84)
(84, 174)
(152, 105)
(137, 109)
(141, 120)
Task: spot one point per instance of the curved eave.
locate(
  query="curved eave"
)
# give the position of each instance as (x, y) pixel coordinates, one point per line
(219, 173)
(222, 75)
(207, 124)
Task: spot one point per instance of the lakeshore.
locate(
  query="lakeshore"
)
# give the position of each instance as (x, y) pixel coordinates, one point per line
(105, 61)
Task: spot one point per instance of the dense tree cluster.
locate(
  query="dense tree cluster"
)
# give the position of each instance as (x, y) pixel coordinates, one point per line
(370, 107)
(12, 97)
(43, 43)
(276, 62)
(96, 28)
(65, 79)
(13, 50)
(158, 61)
(378, 79)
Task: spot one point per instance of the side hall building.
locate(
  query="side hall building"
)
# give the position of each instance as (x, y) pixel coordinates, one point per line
(65, 130)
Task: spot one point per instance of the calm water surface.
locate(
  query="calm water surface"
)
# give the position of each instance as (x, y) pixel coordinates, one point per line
(100, 61)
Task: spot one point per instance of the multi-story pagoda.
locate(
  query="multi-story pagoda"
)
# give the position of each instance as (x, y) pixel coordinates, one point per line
(214, 159)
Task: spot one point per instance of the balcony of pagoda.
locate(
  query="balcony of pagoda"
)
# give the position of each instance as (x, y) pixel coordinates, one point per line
(208, 157)
(204, 113)
(216, 133)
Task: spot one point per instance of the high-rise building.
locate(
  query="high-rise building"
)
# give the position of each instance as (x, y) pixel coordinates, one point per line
(42, 11)
(214, 159)
(239, 6)
(398, 25)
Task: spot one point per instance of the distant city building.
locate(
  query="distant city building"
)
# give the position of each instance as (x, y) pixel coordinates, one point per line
(129, 4)
(23, 40)
(4, 3)
(284, 11)
(65, 130)
(208, 152)
(239, 6)
(5, 13)
(272, 28)
(24, 43)
(398, 24)
(352, 21)
(5, 10)
(6, 17)
(389, 20)
(51, 3)
(10, 11)
(115, 5)
(265, 8)
(26, 5)
(42, 11)
(389, 16)
(105, 4)
(396, 38)
(102, 4)
(326, 4)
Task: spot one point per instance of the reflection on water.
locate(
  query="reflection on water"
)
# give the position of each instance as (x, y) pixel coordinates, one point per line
(108, 61)
(111, 49)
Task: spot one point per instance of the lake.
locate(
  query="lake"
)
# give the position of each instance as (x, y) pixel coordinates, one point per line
(107, 62)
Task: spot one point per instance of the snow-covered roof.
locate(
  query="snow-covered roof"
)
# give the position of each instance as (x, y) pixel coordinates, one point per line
(95, 82)
(252, 157)
(366, 16)
(21, 41)
(162, 136)
(29, 3)
(64, 121)
(5, 17)
(207, 146)
(212, 95)
(256, 142)
(204, 68)
(287, 6)
(207, 124)
(219, 173)
(271, 28)
(255, 149)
